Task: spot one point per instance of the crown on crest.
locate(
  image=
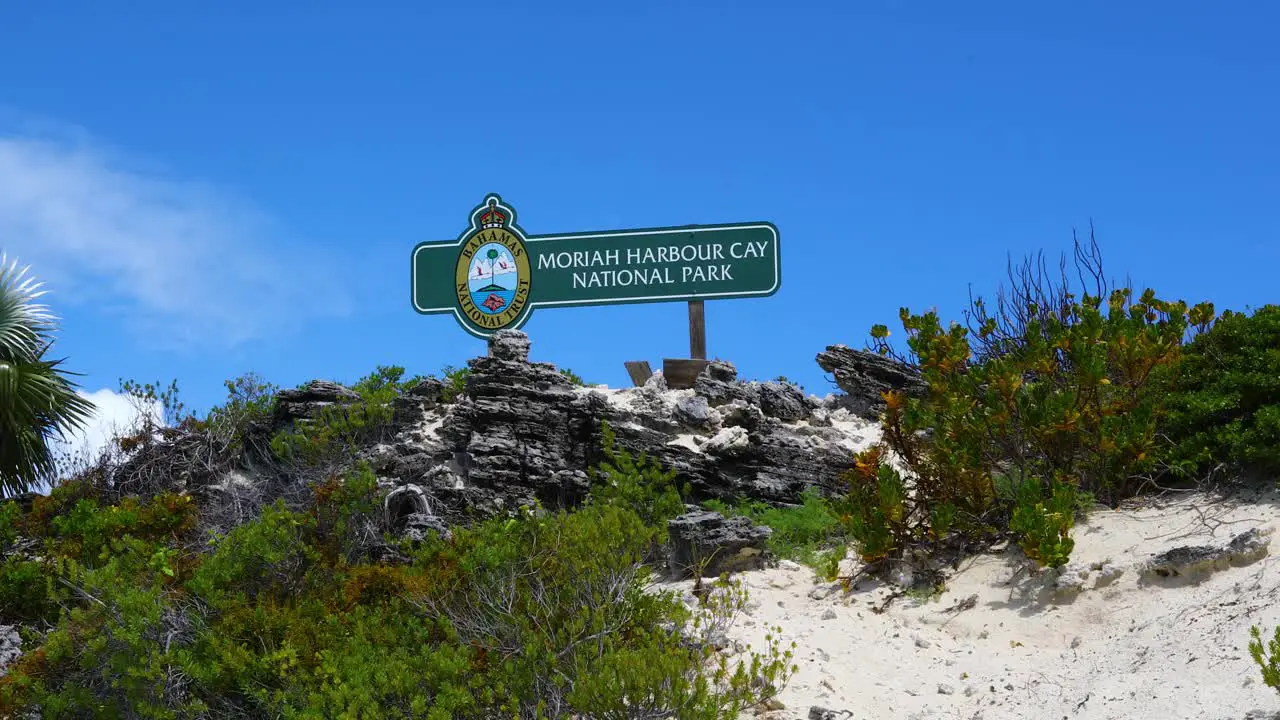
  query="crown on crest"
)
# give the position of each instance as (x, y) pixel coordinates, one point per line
(493, 217)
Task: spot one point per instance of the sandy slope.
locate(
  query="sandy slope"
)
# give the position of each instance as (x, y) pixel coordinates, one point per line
(1124, 646)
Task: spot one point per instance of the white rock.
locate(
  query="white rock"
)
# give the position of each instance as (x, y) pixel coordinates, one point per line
(728, 442)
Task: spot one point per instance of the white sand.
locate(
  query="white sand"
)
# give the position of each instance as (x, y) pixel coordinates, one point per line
(1123, 647)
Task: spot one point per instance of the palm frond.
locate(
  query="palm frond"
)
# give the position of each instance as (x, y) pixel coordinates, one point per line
(26, 326)
(38, 401)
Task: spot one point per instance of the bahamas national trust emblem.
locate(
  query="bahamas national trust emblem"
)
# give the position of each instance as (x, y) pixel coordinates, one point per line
(491, 274)
(492, 277)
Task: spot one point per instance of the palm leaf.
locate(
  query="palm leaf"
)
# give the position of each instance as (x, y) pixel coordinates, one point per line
(26, 326)
(37, 398)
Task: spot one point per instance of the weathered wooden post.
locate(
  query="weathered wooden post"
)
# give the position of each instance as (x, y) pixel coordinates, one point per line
(697, 331)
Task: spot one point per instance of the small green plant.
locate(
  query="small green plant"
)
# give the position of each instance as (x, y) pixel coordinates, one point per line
(455, 381)
(802, 533)
(639, 484)
(787, 381)
(573, 377)
(926, 593)
(250, 399)
(145, 396)
(1267, 657)
(877, 512)
(827, 562)
(1043, 524)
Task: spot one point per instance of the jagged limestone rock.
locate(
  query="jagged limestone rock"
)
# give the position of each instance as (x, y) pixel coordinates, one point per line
(783, 401)
(716, 544)
(520, 433)
(719, 384)
(510, 345)
(1245, 548)
(728, 442)
(864, 376)
(306, 402)
(693, 412)
(10, 647)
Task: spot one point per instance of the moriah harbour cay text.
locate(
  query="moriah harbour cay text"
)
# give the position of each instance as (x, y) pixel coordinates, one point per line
(660, 265)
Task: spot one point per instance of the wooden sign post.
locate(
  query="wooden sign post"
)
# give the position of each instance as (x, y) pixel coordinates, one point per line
(697, 331)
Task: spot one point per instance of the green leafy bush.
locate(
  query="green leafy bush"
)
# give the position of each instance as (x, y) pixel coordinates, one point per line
(543, 615)
(1266, 656)
(250, 400)
(877, 509)
(342, 428)
(639, 484)
(1224, 396)
(455, 381)
(573, 377)
(1043, 524)
(801, 533)
(10, 514)
(24, 596)
(1049, 388)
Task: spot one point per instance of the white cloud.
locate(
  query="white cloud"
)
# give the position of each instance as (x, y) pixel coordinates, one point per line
(115, 415)
(181, 262)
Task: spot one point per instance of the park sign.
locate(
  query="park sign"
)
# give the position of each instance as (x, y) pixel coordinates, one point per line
(494, 275)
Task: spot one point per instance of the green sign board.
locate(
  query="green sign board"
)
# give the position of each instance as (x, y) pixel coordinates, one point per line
(494, 275)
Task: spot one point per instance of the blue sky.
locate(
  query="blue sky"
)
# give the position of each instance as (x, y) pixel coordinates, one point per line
(238, 187)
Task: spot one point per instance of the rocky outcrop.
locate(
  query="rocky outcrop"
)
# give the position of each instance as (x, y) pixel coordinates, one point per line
(520, 433)
(716, 544)
(864, 376)
(1245, 548)
(10, 647)
(307, 402)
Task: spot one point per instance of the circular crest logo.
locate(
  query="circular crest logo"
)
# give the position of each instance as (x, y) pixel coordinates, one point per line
(492, 275)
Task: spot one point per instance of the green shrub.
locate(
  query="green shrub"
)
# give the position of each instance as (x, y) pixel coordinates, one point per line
(1267, 657)
(558, 603)
(289, 615)
(788, 381)
(10, 514)
(826, 564)
(1051, 387)
(800, 533)
(877, 510)
(1224, 396)
(1043, 524)
(250, 400)
(24, 596)
(573, 377)
(455, 381)
(640, 485)
(341, 428)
